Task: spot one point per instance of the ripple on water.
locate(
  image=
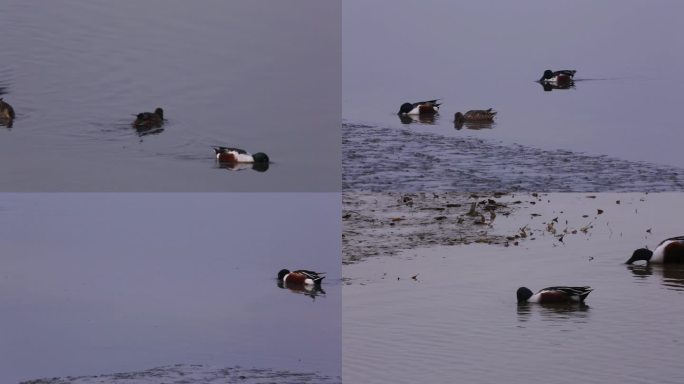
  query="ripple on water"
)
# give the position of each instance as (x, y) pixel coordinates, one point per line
(460, 318)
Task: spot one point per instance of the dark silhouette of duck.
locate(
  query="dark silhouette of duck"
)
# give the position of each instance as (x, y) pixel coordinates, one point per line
(563, 76)
(147, 120)
(475, 115)
(6, 113)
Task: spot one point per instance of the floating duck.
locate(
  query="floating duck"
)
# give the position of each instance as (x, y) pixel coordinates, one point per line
(475, 115)
(236, 156)
(145, 120)
(668, 251)
(552, 295)
(429, 107)
(6, 113)
(301, 277)
(564, 76)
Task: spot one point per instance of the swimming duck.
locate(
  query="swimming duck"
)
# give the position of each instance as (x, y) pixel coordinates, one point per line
(236, 155)
(554, 295)
(6, 111)
(149, 119)
(548, 87)
(563, 76)
(475, 115)
(668, 251)
(428, 107)
(300, 277)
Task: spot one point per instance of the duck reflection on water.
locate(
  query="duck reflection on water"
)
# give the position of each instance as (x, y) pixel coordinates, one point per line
(474, 125)
(309, 290)
(672, 274)
(575, 312)
(548, 87)
(418, 119)
(259, 167)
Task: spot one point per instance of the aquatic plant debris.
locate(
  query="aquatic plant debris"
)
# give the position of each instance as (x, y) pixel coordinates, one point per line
(390, 159)
(464, 219)
(374, 230)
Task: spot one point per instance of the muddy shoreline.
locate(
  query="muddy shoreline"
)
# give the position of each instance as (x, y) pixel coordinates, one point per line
(194, 373)
(388, 159)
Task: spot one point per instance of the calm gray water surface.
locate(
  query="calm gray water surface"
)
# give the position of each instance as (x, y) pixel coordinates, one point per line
(460, 322)
(101, 283)
(481, 54)
(259, 75)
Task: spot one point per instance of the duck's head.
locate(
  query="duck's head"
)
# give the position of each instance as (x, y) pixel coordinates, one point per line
(260, 157)
(405, 108)
(459, 118)
(640, 254)
(282, 274)
(524, 294)
(547, 75)
(159, 112)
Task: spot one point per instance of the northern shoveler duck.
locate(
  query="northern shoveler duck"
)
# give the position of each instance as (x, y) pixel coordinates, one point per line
(149, 119)
(564, 76)
(428, 107)
(236, 156)
(554, 295)
(668, 251)
(548, 87)
(6, 111)
(300, 277)
(475, 115)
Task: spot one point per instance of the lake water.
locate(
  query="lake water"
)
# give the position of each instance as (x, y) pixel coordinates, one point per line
(482, 54)
(459, 321)
(259, 75)
(95, 284)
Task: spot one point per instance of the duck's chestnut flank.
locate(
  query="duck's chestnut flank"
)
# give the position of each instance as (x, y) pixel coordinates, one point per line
(300, 277)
